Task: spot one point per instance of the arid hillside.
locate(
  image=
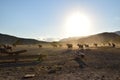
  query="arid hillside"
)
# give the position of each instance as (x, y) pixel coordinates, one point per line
(98, 38)
(7, 39)
(117, 32)
(62, 64)
(105, 37)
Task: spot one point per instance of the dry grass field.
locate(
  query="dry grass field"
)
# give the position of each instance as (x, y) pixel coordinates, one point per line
(59, 64)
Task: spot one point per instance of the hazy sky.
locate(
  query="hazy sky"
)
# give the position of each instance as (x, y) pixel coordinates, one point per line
(45, 18)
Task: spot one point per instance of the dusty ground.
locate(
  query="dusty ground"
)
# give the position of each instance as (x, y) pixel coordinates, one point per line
(59, 64)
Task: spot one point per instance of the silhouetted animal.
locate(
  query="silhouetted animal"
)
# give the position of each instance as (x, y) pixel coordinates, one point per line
(69, 45)
(86, 45)
(113, 45)
(95, 44)
(40, 46)
(80, 46)
(109, 44)
(60, 45)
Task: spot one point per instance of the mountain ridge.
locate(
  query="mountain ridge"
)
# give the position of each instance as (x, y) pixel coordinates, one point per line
(8, 39)
(104, 37)
(96, 38)
(117, 32)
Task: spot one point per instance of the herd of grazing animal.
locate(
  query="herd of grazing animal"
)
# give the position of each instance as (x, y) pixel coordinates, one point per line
(80, 46)
(79, 54)
(86, 46)
(8, 48)
(111, 44)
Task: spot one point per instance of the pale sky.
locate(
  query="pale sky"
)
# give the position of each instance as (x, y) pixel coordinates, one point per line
(46, 18)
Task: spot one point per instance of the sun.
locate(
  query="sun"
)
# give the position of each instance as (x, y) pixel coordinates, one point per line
(77, 24)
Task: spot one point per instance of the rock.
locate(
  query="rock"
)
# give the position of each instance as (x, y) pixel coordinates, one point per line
(29, 76)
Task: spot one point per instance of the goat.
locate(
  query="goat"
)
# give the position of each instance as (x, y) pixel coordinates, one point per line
(40, 46)
(80, 46)
(69, 45)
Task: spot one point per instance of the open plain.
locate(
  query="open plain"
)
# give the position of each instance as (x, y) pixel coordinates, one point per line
(103, 63)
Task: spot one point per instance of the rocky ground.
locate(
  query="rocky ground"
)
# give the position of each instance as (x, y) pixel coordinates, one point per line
(60, 64)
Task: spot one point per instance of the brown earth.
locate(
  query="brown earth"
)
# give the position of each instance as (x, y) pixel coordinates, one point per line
(60, 64)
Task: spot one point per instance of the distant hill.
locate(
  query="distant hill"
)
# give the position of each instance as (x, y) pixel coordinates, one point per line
(70, 39)
(117, 32)
(98, 38)
(8, 39)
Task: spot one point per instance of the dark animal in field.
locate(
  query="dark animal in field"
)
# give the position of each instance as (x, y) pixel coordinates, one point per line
(109, 44)
(113, 45)
(80, 46)
(40, 46)
(60, 45)
(95, 44)
(86, 45)
(69, 45)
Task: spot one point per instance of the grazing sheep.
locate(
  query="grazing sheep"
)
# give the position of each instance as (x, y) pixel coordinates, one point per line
(40, 46)
(80, 46)
(109, 44)
(95, 44)
(113, 45)
(86, 45)
(69, 45)
(60, 45)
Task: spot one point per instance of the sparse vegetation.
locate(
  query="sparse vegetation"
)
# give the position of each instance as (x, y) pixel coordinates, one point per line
(49, 63)
(58, 63)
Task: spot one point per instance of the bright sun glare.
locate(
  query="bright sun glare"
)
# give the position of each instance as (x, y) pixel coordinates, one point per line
(77, 24)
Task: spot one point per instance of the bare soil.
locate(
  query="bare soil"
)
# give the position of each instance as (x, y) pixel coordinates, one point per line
(59, 64)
